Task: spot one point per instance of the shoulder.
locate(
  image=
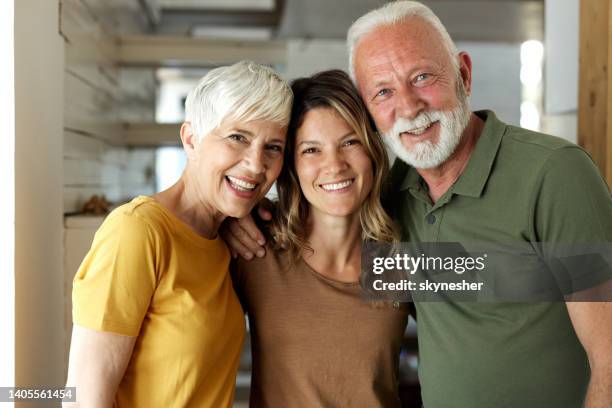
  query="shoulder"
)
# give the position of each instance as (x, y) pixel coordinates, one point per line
(533, 155)
(274, 261)
(141, 217)
(536, 144)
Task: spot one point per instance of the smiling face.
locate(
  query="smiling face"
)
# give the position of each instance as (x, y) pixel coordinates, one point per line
(413, 91)
(332, 165)
(236, 164)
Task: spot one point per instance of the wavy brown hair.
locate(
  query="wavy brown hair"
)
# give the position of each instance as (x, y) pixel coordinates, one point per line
(329, 90)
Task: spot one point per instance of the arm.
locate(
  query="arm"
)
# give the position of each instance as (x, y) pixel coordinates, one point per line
(97, 363)
(573, 205)
(111, 294)
(592, 322)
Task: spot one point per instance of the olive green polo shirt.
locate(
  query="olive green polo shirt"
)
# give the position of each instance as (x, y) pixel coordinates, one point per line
(518, 186)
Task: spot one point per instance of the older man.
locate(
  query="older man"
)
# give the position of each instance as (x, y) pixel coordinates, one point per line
(473, 178)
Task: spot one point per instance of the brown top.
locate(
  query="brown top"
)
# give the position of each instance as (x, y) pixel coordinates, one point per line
(316, 342)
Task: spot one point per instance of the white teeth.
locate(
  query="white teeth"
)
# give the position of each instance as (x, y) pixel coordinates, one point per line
(241, 184)
(419, 131)
(336, 186)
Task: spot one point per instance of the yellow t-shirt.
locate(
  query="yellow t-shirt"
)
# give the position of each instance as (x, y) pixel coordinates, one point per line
(149, 275)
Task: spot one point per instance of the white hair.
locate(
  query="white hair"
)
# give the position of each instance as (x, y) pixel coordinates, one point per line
(392, 13)
(245, 91)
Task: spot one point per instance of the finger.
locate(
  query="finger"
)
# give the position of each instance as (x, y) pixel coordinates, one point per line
(237, 248)
(252, 230)
(244, 238)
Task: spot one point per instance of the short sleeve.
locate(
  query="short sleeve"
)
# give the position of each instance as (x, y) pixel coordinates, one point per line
(113, 287)
(572, 219)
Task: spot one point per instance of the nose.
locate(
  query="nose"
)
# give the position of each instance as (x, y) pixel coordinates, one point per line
(254, 160)
(408, 104)
(334, 163)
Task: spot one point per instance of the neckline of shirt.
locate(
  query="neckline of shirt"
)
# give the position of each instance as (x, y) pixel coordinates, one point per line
(181, 225)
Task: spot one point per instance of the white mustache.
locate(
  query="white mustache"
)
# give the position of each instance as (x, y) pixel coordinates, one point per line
(424, 119)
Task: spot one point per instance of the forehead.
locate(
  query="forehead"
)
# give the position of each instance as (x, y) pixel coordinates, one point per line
(256, 127)
(401, 45)
(319, 123)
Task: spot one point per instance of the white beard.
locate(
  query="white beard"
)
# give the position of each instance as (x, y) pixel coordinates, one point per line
(427, 155)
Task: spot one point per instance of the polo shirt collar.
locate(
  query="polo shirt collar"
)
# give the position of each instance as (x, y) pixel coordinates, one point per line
(475, 175)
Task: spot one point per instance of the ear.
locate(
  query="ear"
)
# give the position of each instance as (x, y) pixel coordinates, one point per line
(465, 69)
(189, 140)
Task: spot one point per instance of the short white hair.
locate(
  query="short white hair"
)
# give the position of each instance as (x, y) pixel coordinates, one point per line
(392, 13)
(245, 91)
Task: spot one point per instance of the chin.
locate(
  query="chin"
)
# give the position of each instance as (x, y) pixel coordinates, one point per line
(238, 211)
(342, 211)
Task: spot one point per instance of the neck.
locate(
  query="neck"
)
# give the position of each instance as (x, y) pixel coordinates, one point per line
(336, 242)
(187, 204)
(440, 179)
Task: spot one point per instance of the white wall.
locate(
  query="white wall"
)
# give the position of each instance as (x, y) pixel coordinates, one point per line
(561, 55)
(496, 78)
(39, 62)
(306, 57)
(7, 204)
(561, 68)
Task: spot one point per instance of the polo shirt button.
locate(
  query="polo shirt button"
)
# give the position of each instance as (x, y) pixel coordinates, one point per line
(431, 219)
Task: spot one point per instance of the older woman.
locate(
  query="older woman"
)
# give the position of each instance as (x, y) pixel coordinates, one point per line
(156, 321)
(316, 341)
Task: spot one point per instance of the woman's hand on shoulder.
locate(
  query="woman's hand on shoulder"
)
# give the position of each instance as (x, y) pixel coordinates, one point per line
(243, 236)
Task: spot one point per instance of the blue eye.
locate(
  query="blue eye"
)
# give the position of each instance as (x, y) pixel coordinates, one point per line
(383, 92)
(237, 137)
(422, 77)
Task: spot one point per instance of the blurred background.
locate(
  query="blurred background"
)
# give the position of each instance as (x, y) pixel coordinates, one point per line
(93, 94)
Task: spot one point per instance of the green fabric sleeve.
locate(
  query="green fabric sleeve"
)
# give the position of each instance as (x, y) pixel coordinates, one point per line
(572, 219)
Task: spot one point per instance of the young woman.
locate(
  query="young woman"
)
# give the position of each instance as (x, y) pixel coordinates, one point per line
(316, 341)
(156, 321)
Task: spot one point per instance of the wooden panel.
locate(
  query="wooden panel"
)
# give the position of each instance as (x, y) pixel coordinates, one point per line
(96, 160)
(607, 170)
(92, 166)
(90, 110)
(138, 94)
(186, 51)
(119, 16)
(81, 146)
(595, 88)
(152, 134)
(91, 173)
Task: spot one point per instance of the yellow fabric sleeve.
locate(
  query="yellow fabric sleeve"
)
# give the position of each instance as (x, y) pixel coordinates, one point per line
(113, 286)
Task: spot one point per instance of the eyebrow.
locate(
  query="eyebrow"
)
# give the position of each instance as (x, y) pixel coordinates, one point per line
(276, 140)
(308, 142)
(381, 82)
(242, 131)
(313, 142)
